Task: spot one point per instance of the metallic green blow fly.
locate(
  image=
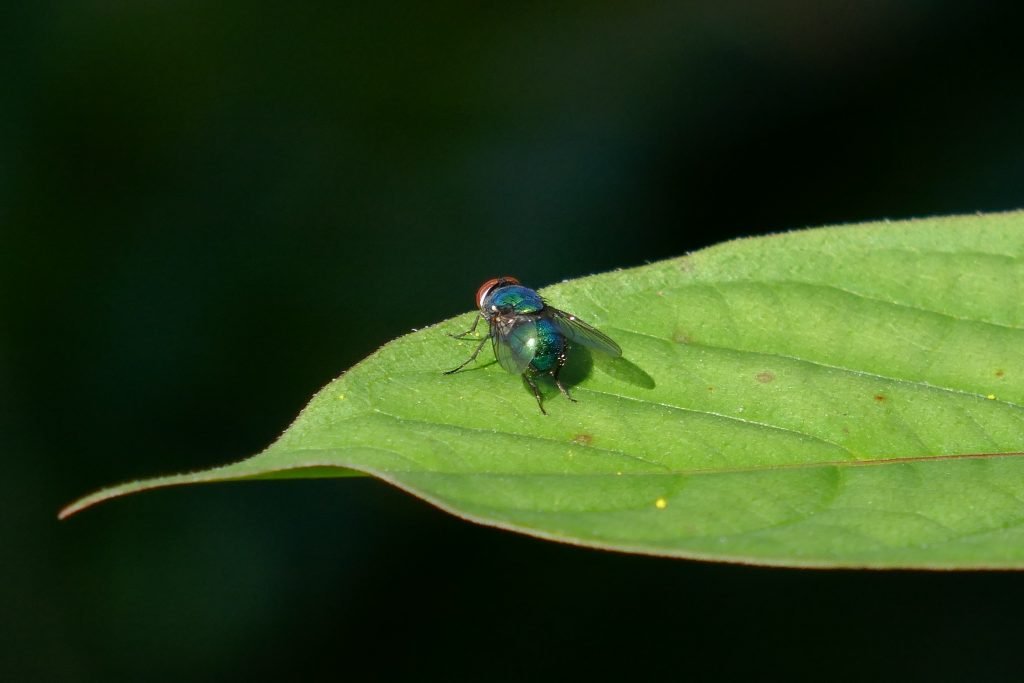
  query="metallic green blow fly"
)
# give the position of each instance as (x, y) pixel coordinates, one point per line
(529, 337)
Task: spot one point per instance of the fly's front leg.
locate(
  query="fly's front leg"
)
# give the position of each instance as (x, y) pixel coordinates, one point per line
(471, 330)
(471, 358)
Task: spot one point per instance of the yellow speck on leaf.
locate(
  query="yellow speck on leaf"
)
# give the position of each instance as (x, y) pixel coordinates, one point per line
(341, 397)
(991, 397)
(661, 503)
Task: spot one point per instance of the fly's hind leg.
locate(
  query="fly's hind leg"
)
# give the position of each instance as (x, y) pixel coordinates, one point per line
(536, 392)
(558, 382)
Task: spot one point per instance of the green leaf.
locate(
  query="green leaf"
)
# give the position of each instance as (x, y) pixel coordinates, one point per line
(847, 396)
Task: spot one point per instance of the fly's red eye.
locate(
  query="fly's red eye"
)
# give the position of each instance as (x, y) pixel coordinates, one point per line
(486, 287)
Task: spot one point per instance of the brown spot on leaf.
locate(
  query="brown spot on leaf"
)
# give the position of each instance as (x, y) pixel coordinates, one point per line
(765, 377)
(1000, 373)
(680, 336)
(583, 439)
(880, 397)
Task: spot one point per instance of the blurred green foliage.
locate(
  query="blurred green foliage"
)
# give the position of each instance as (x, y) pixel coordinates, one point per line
(210, 209)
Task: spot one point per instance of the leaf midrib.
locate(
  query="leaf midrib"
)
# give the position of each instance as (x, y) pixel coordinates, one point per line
(880, 462)
(667, 471)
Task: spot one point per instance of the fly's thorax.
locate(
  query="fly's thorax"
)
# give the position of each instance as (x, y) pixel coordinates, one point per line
(491, 285)
(511, 300)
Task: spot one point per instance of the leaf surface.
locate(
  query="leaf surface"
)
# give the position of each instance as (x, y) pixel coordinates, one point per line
(848, 396)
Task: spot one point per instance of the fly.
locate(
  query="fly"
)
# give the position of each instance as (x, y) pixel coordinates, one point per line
(529, 337)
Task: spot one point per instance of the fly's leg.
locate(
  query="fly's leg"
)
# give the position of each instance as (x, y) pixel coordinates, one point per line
(471, 330)
(565, 392)
(558, 383)
(471, 358)
(536, 392)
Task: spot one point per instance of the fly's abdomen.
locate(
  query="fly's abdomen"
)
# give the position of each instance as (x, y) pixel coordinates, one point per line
(550, 346)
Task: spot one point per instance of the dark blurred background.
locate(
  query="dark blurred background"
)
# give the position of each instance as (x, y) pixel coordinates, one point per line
(209, 210)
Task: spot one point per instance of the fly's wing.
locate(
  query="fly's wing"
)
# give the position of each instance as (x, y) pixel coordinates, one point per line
(515, 344)
(575, 330)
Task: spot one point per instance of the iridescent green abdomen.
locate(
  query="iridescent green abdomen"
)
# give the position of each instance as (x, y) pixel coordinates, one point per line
(550, 346)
